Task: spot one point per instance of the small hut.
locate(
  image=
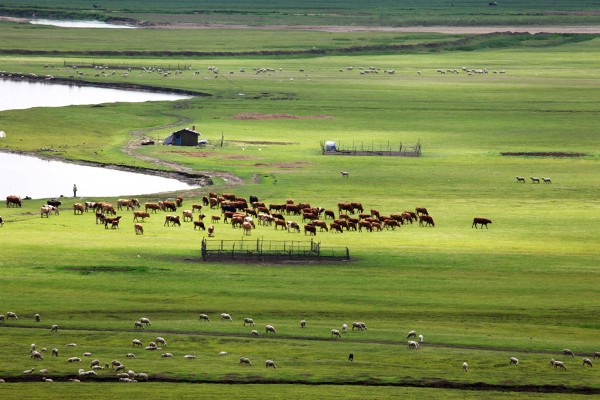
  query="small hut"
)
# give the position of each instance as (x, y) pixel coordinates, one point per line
(183, 137)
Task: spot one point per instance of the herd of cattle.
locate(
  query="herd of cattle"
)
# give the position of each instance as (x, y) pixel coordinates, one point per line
(246, 214)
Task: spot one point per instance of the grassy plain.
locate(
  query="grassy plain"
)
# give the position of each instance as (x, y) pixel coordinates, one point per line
(526, 287)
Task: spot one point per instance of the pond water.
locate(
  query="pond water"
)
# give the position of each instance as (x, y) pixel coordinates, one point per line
(37, 178)
(16, 95)
(79, 24)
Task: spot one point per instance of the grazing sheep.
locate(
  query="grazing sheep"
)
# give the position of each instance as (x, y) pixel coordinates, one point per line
(222, 353)
(421, 339)
(161, 341)
(412, 345)
(547, 180)
(37, 317)
(87, 354)
(534, 179)
(28, 371)
(54, 328)
(559, 364)
(115, 363)
(36, 355)
(302, 323)
(245, 361)
(568, 352)
(587, 361)
(596, 354)
(138, 325)
(254, 333)
(2, 317)
(95, 363)
(167, 355)
(514, 360)
(142, 376)
(2, 381)
(359, 325)
(270, 328)
(411, 334)
(249, 321)
(74, 359)
(74, 380)
(11, 315)
(465, 366)
(152, 348)
(270, 364)
(71, 344)
(520, 179)
(136, 342)
(335, 333)
(345, 327)
(54, 352)
(226, 317)
(189, 356)
(145, 321)
(120, 368)
(32, 347)
(203, 317)
(82, 372)
(130, 355)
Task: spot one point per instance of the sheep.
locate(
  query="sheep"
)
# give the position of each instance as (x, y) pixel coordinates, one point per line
(11, 315)
(32, 347)
(2, 317)
(245, 361)
(87, 354)
(130, 355)
(120, 368)
(28, 371)
(96, 367)
(152, 348)
(302, 323)
(74, 359)
(226, 317)
(249, 321)
(546, 180)
(83, 372)
(520, 179)
(161, 341)
(254, 333)
(37, 318)
(270, 364)
(534, 179)
(359, 325)
(94, 363)
(74, 380)
(222, 353)
(411, 334)
(270, 328)
(412, 345)
(465, 366)
(189, 357)
(203, 317)
(54, 328)
(54, 352)
(345, 328)
(71, 344)
(514, 360)
(345, 174)
(136, 342)
(138, 325)
(115, 363)
(421, 339)
(351, 357)
(335, 333)
(142, 376)
(47, 380)
(145, 321)
(568, 352)
(559, 364)
(36, 355)
(167, 355)
(587, 361)
(43, 371)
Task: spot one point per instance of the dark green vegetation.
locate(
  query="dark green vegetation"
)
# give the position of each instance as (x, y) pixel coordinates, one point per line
(525, 287)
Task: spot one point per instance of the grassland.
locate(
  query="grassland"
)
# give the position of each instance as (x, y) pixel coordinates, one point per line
(526, 287)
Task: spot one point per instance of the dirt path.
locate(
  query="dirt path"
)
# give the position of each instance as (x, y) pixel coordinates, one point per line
(132, 146)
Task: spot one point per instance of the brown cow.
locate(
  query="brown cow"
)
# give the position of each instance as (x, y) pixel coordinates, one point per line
(140, 214)
(281, 223)
(374, 213)
(335, 227)
(188, 214)
(78, 207)
(100, 217)
(205, 200)
(357, 207)
(179, 201)
(13, 201)
(247, 226)
(480, 221)
(421, 211)
(215, 219)
(213, 202)
(309, 216)
(345, 207)
(390, 223)
(211, 230)
(237, 221)
(425, 220)
(139, 229)
(197, 207)
(321, 224)
(169, 206)
(276, 207)
(292, 209)
(113, 221)
(199, 225)
(128, 203)
(366, 225)
(310, 229)
(151, 206)
(172, 220)
(229, 196)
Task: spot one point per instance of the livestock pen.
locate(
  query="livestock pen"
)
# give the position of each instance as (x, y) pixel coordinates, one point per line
(372, 149)
(271, 250)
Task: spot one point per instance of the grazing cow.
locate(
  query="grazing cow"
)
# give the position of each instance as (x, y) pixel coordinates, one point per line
(253, 199)
(188, 214)
(100, 217)
(139, 229)
(54, 202)
(281, 223)
(1, 221)
(215, 218)
(213, 202)
(140, 214)
(357, 206)
(425, 220)
(237, 221)
(13, 201)
(335, 227)
(480, 221)
(229, 196)
(179, 200)
(293, 225)
(199, 225)
(172, 220)
(151, 206)
(329, 214)
(292, 209)
(46, 210)
(113, 221)
(78, 208)
(310, 229)
(128, 203)
(211, 230)
(534, 179)
(345, 207)
(276, 207)
(169, 206)
(421, 211)
(321, 224)
(90, 204)
(365, 224)
(197, 207)
(390, 223)
(247, 226)
(520, 179)
(205, 200)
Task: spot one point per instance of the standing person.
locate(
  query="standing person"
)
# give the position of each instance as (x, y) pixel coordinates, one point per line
(74, 190)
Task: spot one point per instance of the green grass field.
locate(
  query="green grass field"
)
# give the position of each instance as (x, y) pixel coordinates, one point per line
(526, 287)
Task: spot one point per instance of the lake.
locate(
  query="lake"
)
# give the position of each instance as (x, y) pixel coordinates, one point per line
(79, 24)
(37, 178)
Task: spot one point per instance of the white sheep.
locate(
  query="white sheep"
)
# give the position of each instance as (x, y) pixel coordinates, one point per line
(54, 328)
(596, 354)
(145, 321)
(87, 354)
(411, 334)
(222, 353)
(587, 361)
(83, 372)
(136, 342)
(36, 355)
(270, 364)
(74, 359)
(43, 371)
(359, 325)
(254, 333)
(37, 318)
(302, 323)
(514, 360)
(345, 327)
(152, 348)
(167, 355)
(55, 352)
(245, 361)
(204, 317)
(32, 347)
(336, 333)
(189, 357)
(142, 376)
(161, 341)
(249, 321)
(47, 379)
(226, 317)
(559, 364)
(74, 380)
(130, 355)
(465, 366)
(138, 325)
(120, 368)
(28, 371)
(568, 352)
(11, 315)
(115, 363)
(94, 362)
(71, 345)
(412, 345)
(270, 328)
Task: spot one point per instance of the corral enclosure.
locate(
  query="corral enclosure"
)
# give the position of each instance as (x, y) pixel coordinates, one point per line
(370, 149)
